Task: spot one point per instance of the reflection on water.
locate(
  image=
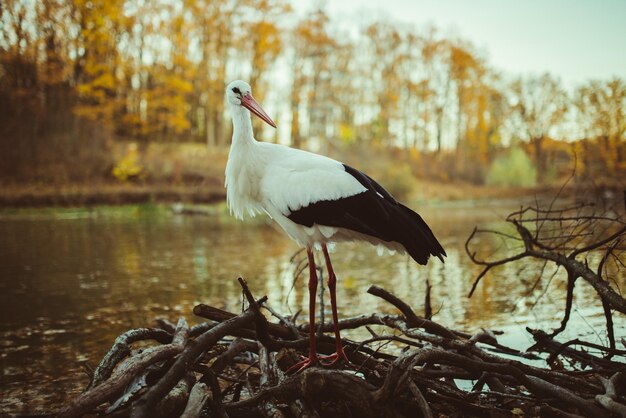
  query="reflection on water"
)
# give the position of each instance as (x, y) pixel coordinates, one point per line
(71, 280)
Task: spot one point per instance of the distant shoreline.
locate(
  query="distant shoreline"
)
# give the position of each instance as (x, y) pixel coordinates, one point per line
(18, 196)
(426, 193)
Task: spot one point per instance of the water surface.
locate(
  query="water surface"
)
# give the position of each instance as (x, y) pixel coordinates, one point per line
(71, 280)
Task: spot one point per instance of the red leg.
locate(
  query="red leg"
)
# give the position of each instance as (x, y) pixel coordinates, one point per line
(332, 285)
(312, 359)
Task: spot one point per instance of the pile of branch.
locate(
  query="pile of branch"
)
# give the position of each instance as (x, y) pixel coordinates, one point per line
(235, 365)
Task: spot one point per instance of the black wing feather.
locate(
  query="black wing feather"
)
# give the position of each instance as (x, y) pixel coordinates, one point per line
(376, 213)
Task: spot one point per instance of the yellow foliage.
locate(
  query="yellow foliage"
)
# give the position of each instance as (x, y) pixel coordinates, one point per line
(346, 133)
(129, 166)
(414, 156)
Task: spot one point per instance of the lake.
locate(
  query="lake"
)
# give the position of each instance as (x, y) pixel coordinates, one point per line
(71, 280)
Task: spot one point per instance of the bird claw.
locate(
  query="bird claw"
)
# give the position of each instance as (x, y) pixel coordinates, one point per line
(339, 356)
(335, 358)
(304, 364)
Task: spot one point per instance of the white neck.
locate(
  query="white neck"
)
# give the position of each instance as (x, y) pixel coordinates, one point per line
(242, 125)
(242, 174)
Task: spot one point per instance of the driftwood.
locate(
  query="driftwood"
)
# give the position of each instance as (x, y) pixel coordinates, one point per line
(234, 365)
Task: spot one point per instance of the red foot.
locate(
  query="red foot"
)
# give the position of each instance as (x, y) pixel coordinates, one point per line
(304, 364)
(335, 358)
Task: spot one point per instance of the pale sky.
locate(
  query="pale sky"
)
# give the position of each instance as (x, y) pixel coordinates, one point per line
(575, 40)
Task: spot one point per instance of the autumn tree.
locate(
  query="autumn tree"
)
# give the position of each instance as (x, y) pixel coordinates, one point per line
(539, 105)
(345, 94)
(170, 87)
(139, 56)
(601, 107)
(437, 88)
(387, 53)
(262, 37)
(213, 26)
(100, 23)
(460, 102)
(312, 46)
(36, 88)
(414, 95)
(481, 109)
(263, 41)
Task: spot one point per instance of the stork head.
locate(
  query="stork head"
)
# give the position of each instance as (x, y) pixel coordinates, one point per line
(239, 93)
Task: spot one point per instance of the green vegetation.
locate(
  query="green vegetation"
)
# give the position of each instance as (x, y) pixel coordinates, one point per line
(512, 169)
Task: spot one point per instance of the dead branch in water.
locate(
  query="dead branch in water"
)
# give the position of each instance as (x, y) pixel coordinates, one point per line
(585, 240)
(235, 365)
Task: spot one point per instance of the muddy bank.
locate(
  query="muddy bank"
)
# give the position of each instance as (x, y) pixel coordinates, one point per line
(108, 194)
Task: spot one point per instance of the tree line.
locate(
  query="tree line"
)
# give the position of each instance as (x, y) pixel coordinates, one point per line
(76, 75)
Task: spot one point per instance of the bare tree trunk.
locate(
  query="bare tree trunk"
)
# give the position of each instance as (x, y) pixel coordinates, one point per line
(540, 159)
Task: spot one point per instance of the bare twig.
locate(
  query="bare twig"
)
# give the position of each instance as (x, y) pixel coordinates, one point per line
(121, 349)
(202, 343)
(126, 373)
(415, 371)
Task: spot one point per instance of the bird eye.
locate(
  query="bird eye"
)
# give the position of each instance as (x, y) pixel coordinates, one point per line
(236, 90)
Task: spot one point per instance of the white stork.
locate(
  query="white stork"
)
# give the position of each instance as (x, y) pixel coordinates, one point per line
(316, 200)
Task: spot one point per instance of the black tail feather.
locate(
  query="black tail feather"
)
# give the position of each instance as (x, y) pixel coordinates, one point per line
(418, 239)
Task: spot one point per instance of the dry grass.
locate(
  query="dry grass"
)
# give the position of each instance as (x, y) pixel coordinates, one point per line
(439, 191)
(191, 173)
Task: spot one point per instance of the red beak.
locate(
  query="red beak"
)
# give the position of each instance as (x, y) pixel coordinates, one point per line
(249, 103)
